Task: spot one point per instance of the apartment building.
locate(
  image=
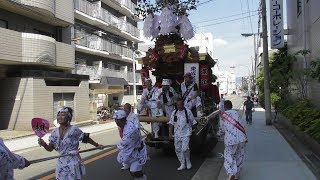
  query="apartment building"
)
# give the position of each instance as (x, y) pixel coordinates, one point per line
(36, 62)
(106, 36)
(304, 33)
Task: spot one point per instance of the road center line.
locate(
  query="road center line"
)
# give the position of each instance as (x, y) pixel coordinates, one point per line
(51, 176)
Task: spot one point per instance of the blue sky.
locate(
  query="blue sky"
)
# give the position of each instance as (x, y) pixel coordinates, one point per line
(230, 47)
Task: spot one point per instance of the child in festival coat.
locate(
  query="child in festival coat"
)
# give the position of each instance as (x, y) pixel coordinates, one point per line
(182, 121)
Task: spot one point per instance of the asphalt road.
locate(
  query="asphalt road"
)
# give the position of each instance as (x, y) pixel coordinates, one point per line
(103, 164)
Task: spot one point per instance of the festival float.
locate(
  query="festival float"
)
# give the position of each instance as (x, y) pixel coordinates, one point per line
(167, 23)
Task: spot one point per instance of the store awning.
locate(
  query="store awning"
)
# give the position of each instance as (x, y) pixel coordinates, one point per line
(107, 91)
(113, 81)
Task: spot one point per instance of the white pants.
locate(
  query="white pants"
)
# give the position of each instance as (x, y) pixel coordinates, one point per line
(234, 157)
(155, 126)
(168, 110)
(181, 145)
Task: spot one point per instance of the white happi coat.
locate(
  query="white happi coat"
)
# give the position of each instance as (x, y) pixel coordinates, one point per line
(134, 118)
(129, 145)
(68, 167)
(232, 134)
(169, 106)
(190, 101)
(182, 132)
(8, 162)
(235, 142)
(149, 100)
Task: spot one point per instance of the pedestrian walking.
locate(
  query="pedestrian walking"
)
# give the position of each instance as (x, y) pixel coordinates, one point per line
(65, 139)
(132, 149)
(182, 121)
(10, 161)
(235, 139)
(248, 107)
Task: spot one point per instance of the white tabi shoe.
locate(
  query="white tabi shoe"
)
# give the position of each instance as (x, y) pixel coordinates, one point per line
(182, 167)
(125, 167)
(189, 165)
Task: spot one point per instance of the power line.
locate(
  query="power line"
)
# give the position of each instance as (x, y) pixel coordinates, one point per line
(225, 17)
(225, 21)
(205, 2)
(249, 16)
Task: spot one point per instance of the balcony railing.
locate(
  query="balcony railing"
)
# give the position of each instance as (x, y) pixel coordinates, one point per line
(129, 4)
(96, 42)
(96, 73)
(95, 11)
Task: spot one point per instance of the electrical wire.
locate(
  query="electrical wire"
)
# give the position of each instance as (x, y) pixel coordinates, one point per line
(225, 21)
(225, 17)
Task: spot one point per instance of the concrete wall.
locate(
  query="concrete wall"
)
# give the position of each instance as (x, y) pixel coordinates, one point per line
(34, 48)
(295, 37)
(65, 10)
(26, 98)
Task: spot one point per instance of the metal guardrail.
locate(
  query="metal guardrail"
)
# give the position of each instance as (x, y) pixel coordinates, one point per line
(95, 73)
(95, 11)
(93, 41)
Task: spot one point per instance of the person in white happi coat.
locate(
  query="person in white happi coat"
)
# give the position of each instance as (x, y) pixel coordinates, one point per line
(131, 116)
(235, 140)
(181, 121)
(189, 90)
(10, 161)
(132, 149)
(65, 139)
(167, 98)
(149, 100)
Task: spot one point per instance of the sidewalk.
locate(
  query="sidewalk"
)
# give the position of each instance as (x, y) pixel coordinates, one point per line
(269, 156)
(19, 141)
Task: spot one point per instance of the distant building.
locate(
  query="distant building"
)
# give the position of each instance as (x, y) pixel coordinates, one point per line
(227, 82)
(304, 33)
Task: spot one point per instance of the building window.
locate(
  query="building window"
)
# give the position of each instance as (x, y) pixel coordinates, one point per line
(299, 7)
(3, 24)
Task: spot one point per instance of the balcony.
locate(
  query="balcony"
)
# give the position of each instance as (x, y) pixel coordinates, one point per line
(93, 44)
(57, 13)
(96, 73)
(126, 7)
(29, 48)
(99, 17)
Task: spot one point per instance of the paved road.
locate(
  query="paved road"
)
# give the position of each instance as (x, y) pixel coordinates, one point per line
(103, 164)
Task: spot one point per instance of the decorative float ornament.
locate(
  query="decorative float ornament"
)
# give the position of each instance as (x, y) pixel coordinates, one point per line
(154, 55)
(168, 21)
(186, 29)
(148, 26)
(156, 26)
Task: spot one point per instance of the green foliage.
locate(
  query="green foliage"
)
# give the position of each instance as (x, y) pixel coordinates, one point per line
(275, 99)
(180, 7)
(306, 116)
(314, 70)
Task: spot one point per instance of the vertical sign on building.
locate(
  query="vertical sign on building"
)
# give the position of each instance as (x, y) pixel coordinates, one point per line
(276, 24)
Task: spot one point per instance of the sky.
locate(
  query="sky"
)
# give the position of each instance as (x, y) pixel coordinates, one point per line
(230, 47)
(226, 20)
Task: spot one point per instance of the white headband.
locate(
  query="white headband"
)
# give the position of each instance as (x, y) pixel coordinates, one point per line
(65, 110)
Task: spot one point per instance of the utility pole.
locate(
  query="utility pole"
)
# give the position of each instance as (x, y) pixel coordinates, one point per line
(267, 97)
